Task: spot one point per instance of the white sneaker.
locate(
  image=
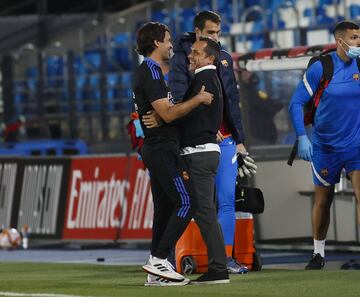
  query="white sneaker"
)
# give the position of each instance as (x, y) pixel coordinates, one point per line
(161, 267)
(158, 281)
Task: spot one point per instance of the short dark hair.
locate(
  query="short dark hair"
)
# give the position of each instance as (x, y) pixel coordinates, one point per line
(206, 15)
(146, 36)
(212, 47)
(345, 25)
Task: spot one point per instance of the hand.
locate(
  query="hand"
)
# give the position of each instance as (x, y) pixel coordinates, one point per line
(246, 164)
(240, 148)
(151, 119)
(219, 137)
(205, 97)
(305, 149)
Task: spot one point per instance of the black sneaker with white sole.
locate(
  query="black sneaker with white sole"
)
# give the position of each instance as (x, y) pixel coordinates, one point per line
(211, 277)
(316, 263)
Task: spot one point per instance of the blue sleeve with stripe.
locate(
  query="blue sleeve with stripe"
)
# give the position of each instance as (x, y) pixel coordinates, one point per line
(303, 93)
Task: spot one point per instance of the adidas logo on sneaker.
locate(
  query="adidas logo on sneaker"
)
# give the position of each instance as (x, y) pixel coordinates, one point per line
(163, 268)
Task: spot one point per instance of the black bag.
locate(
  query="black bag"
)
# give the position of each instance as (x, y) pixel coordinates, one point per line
(248, 199)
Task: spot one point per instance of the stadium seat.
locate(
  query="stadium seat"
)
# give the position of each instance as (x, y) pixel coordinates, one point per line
(121, 56)
(92, 60)
(79, 66)
(54, 71)
(126, 92)
(32, 75)
(354, 11)
(112, 91)
(80, 82)
(20, 96)
(186, 20)
(204, 5)
(92, 94)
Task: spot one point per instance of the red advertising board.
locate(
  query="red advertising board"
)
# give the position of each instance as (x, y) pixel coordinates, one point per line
(108, 198)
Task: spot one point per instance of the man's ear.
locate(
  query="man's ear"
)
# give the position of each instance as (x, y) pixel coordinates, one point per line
(197, 33)
(156, 43)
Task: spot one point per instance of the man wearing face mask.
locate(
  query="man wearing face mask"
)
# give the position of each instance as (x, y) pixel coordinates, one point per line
(335, 141)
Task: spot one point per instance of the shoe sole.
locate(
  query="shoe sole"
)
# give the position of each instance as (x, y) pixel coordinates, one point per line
(237, 272)
(151, 270)
(170, 284)
(213, 282)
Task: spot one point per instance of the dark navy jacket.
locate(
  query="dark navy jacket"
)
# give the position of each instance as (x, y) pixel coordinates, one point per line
(180, 77)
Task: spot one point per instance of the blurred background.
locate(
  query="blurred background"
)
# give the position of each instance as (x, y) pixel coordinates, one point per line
(65, 90)
(67, 66)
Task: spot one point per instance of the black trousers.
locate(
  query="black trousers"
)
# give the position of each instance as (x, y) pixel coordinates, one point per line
(203, 167)
(172, 190)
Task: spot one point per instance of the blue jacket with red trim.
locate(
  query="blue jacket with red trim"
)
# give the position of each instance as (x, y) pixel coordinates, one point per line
(180, 77)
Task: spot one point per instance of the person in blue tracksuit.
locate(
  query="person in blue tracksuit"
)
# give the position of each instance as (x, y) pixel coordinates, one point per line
(231, 134)
(335, 143)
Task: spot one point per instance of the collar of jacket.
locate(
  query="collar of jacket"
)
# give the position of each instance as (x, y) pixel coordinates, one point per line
(205, 68)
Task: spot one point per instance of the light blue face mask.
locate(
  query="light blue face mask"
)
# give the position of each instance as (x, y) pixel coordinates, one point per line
(353, 52)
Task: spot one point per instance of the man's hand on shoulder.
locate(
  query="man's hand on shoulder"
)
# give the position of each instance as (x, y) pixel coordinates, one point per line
(205, 97)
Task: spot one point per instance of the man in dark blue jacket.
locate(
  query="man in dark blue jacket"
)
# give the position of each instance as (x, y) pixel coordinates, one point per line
(231, 135)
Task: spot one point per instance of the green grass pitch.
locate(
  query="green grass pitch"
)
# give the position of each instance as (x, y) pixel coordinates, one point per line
(128, 281)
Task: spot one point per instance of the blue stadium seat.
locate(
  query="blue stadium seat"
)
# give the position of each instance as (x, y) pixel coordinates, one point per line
(80, 82)
(120, 53)
(257, 42)
(112, 91)
(160, 16)
(79, 66)
(205, 5)
(249, 3)
(322, 17)
(32, 75)
(54, 71)
(93, 60)
(92, 93)
(126, 92)
(354, 10)
(20, 96)
(186, 18)
(225, 9)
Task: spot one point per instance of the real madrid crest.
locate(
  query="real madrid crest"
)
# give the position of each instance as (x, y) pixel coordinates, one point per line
(324, 172)
(225, 63)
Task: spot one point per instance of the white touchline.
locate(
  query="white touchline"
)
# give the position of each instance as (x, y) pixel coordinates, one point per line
(15, 294)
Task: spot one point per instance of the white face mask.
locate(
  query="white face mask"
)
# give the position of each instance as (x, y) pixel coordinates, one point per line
(353, 52)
